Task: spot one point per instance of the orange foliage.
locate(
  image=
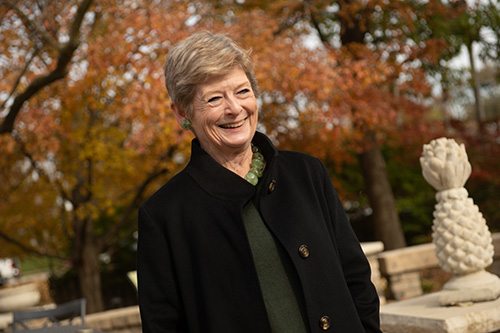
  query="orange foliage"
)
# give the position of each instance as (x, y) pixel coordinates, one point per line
(83, 147)
(96, 136)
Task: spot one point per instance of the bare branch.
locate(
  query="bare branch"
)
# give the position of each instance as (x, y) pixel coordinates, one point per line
(64, 58)
(295, 16)
(77, 22)
(34, 26)
(28, 248)
(18, 80)
(317, 27)
(111, 235)
(34, 165)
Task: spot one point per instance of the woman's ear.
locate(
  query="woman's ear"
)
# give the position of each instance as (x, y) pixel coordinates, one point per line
(181, 117)
(178, 113)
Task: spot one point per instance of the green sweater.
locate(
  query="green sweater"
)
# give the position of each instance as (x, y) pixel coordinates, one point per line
(279, 283)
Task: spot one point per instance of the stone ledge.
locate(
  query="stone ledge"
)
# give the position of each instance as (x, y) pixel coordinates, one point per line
(418, 257)
(424, 315)
(408, 259)
(371, 248)
(115, 320)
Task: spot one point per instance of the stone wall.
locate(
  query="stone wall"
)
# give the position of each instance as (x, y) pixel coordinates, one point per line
(396, 274)
(123, 320)
(402, 268)
(372, 250)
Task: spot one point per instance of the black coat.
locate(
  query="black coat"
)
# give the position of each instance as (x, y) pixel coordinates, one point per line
(195, 266)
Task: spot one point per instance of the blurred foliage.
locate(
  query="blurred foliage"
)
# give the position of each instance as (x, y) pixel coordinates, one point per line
(414, 196)
(86, 150)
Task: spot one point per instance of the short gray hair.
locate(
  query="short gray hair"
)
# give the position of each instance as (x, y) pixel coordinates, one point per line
(199, 57)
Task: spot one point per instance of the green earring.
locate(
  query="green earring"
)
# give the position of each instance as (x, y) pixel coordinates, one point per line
(186, 124)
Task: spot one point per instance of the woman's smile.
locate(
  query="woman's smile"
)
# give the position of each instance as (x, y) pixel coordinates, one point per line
(233, 125)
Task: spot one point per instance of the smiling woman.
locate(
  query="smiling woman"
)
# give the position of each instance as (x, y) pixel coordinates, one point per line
(224, 119)
(246, 238)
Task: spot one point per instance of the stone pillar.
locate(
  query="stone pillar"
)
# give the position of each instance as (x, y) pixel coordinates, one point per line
(462, 239)
(371, 250)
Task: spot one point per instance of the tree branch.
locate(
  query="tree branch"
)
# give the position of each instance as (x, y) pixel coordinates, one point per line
(65, 54)
(29, 249)
(316, 26)
(34, 26)
(295, 16)
(111, 235)
(35, 166)
(80, 14)
(18, 80)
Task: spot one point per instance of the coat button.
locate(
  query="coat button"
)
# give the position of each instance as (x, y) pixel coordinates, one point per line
(272, 185)
(325, 323)
(304, 251)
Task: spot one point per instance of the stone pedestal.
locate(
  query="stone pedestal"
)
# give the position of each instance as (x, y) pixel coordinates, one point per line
(476, 287)
(19, 297)
(372, 250)
(424, 314)
(464, 246)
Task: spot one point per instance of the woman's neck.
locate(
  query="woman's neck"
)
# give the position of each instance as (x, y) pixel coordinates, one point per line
(237, 161)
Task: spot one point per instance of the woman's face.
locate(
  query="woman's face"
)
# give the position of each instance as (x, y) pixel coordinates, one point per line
(225, 115)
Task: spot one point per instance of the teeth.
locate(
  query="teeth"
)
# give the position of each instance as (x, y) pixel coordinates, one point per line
(233, 125)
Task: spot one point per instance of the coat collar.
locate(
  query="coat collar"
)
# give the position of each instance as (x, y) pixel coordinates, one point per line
(220, 182)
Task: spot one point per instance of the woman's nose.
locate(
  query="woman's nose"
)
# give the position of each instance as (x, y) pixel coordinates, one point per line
(232, 105)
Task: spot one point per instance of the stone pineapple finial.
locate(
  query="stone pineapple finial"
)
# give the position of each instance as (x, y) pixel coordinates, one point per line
(445, 164)
(460, 234)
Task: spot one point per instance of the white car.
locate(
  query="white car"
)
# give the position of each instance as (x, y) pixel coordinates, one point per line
(8, 270)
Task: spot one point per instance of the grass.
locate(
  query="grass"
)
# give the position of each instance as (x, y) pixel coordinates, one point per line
(35, 264)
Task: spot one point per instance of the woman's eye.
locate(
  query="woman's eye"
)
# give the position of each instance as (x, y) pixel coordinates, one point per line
(243, 91)
(213, 99)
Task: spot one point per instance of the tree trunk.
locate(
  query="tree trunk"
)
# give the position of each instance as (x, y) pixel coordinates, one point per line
(89, 278)
(385, 217)
(86, 263)
(478, 107)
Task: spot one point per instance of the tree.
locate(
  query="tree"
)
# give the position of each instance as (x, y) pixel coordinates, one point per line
(92, 145)
(471, 25)
(387, 225)
(467, 28)
(490, 18)
(45, 42)
(370, 79)
(364, 43)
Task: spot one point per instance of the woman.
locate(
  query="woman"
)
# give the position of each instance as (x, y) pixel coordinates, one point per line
(246, 238)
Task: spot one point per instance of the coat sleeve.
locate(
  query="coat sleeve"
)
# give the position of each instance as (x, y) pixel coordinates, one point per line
(355, 266)
(159, 300)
